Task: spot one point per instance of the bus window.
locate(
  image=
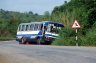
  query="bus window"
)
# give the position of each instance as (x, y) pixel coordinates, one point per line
(48, 28)
(19, 28)
(23, 27)
(40, 26)
(54, 28)
(26, 28)
(37, 27)
(32, 27)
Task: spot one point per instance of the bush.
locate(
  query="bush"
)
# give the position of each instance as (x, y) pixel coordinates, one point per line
(65, 41)
(67, 37)
(6, 38)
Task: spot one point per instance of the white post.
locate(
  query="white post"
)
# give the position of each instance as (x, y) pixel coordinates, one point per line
(76, 38)
(76, 30)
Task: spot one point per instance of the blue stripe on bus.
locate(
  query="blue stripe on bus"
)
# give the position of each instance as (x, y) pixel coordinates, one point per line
(40, 33)
(29, 35)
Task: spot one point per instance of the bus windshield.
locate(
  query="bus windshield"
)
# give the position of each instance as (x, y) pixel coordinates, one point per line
(53, 28)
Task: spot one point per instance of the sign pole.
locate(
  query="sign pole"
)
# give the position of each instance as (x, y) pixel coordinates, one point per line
(76, 25)
(76, 37)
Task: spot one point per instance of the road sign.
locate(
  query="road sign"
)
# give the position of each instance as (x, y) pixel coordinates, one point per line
(76, 24)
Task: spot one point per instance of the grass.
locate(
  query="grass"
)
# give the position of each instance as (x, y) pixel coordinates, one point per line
(6, 38)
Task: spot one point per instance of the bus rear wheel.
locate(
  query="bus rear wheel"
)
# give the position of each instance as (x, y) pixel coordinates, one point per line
(23, 40)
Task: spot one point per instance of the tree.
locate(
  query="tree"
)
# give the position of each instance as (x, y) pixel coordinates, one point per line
(92, 16)
(30, 12)
(46, 15)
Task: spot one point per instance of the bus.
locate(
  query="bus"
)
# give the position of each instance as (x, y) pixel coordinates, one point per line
(43, 32)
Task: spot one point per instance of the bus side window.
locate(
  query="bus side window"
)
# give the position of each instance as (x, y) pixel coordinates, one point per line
(36, 27)
(27, 28)
(22, 27)
(48, 28)
(19, 28)
(32, 27)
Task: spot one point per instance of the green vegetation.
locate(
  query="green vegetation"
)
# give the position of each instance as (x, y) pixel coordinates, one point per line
(82, 10)
(10, 20)
(85, 12)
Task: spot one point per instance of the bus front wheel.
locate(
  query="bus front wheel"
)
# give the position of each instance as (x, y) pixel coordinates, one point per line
(39, 41)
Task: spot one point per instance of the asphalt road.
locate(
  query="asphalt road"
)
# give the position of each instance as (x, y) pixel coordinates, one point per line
(12, 52)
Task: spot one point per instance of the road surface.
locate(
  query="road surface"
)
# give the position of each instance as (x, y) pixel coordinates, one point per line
(12, 52)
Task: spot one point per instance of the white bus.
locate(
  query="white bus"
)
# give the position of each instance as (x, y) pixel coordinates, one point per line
(38, 32)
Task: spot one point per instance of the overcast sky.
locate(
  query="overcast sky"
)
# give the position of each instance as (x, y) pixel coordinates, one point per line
(36, 6)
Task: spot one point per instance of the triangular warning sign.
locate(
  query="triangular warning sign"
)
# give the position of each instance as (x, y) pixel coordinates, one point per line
(76, 24)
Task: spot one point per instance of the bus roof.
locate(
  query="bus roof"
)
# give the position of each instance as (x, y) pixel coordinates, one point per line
(45, 22)
(56, 23)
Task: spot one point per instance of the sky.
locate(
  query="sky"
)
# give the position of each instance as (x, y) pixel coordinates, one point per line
(36, 6)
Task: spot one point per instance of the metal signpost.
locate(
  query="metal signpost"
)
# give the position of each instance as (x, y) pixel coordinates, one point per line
(76, 25)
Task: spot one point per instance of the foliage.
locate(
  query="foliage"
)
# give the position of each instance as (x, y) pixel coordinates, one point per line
(85, 12)
(66, 37)
(10, 20)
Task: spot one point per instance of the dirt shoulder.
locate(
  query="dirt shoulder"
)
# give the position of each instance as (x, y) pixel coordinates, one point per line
(4, 58)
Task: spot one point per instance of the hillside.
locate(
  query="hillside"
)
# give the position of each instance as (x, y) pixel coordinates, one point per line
(85, 12)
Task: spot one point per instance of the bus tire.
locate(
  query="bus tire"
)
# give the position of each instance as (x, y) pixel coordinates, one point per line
(23, 40)
(38, 41)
